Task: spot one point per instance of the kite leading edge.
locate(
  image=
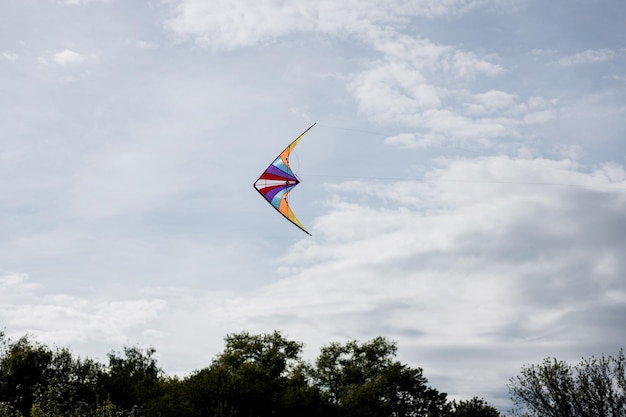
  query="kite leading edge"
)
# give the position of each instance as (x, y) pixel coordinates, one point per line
(278, 180)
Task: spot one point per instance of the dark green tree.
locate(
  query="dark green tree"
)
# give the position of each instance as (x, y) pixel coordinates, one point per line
(132, 380)
(168, 399)
(366, 380)
(259, 366)
(38, 381)
(595, 387)
(25, 366)
(302, 397)
(476, 407)
(72, 388)
(7, 410)
(255, 375)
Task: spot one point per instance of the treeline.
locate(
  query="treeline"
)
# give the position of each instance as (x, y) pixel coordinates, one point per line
(255, 375)
(594, 387)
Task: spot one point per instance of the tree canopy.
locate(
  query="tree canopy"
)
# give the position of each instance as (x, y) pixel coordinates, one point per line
(255, 375)
(594, 387)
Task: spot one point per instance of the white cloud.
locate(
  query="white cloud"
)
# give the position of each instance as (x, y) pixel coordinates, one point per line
(10, 56)
(228, 24)
(428, 87)
(146, 45)
(465, 64)
(159, 156)
(137, 179)
(13, 284)
(67, 56)
(424, 56)
(590, 56)
(542, 116)
(403, 140)
(403, 87)
(67, 320)
(620, 78)
(490, 102)
(80, 2)
(393, 91)
(409, 85)
(500, 240)
(482, 255)
(544, 52)
(124, 178)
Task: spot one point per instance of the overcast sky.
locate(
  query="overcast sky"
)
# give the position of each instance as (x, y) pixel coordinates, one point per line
(464, 185)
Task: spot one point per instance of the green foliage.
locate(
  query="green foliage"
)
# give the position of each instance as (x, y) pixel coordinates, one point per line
(24, 368)
(260, 375)
(271, 352)
(37, 381)
(366, 380)
(255, 376)
(133, 379)
(8, 411)
(476, 407)
(592, 388)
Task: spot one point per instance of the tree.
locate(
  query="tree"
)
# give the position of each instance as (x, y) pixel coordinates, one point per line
(255, 375)
(24, 366)
(37, 381)
(272, 353)
(476, 407)
(592, 388)
(366, 380)
(71, 389)
(8, 411)
(132, 380)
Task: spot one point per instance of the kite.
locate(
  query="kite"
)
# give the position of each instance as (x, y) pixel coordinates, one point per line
(278, 180)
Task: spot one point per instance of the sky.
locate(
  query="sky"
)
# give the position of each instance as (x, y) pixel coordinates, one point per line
(464, 185)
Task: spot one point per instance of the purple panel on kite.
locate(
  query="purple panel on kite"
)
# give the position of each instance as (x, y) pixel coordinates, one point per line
(276, 171)
(272, 193)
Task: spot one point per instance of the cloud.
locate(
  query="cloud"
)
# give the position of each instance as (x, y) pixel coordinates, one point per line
(464, 64)
(128, 208)
(590, 56)
(415, 83)
(544, 52)
(146, 45)
(403, 140)
(67, 57)
(484, 254)
(80, 2)
(393, 91)
(404, 84)
(226, 24)
(10, 56)
(490, 102)
(542, 116)
(619, 78)
(64, 319)
(481, 254)
(164, 152)
(15, 284)
(427, 86)
(430, 87)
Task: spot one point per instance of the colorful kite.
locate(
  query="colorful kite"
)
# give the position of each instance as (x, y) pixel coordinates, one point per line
(277, 180)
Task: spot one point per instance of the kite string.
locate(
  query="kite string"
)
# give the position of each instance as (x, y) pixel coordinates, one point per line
(469, 181)
(451, 146)
(295, 153)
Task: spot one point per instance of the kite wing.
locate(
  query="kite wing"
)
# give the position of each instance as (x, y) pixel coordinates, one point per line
(277, 180)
